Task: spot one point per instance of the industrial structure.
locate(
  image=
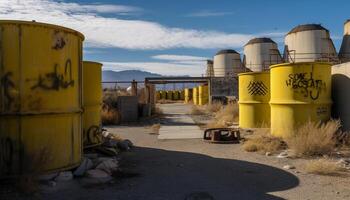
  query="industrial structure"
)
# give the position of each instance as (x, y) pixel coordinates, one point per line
(309, 43)
(227, 63)
(260, 53)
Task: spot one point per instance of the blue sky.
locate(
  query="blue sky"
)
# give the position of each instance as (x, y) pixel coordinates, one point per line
(175, 37)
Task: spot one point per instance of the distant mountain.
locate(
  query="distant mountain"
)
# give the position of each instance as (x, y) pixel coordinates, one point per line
(127, 75)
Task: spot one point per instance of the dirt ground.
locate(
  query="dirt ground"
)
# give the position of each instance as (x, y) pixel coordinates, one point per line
(193, 169)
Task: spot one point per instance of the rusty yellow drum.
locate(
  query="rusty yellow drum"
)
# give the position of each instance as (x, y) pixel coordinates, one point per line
(299, 92)
(92, 102)
(40, 97)
(203, 95)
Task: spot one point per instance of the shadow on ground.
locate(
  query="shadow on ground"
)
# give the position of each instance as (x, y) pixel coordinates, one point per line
(173, 175)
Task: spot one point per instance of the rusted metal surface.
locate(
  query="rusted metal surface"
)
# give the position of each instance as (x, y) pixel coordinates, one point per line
(221, 135)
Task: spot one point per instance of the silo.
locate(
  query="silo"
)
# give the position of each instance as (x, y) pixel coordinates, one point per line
(309, 43)
(260, 53)
(40, 97)
(210, 68)
(344, 52)
(227, 63)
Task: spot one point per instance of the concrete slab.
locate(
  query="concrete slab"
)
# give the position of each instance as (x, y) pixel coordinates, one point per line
(177, 124)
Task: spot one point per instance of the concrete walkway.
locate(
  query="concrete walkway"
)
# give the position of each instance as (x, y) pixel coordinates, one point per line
(177, 124)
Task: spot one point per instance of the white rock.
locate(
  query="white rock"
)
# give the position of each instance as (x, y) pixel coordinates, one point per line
(288, 167)
(97, 173)
(85, 165)
(283, 154)
(108, 166)
(268, 154)
(64, 176)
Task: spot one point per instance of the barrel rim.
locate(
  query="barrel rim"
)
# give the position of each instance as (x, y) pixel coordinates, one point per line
(299, 63)
(47, 25)
(92, 62)
(251, 73)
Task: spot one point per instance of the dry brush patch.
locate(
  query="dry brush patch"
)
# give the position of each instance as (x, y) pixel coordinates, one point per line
(214, 107)
(324, 167)
(314, 139)
(226, 116)
(109, 116)
(195, 110)
(262, 141)
(155, 129)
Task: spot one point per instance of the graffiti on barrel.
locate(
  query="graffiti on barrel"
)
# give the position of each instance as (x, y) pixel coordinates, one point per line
(257, 88)
(7, 85)
(55, 80)
(6, 154)
(306, 84)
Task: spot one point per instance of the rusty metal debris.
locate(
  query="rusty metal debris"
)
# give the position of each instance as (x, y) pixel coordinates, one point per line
(222, 135)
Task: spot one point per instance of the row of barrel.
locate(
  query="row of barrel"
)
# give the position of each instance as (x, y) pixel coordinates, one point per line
(171, 95)
(197, 95)
(50, 100)
(286, 97)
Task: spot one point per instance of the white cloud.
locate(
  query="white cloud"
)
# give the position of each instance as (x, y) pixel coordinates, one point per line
(170, 69)
(208, 13)
(170, 57)
(103, 31)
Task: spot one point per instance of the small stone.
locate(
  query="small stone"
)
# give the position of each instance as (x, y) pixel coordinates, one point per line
(108, 166)
(268, 154)
(85, 165)
(288, 167)
(124, 145)
(283, 154)
(97, 173)
(64, 176)
(337, 192)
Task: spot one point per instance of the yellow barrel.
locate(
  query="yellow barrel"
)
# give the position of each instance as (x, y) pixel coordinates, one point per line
(195, 95)
(176, 95)
(40, 97)
(203, 95)
(182, 95)
(299, 92)
(169, 95)
(162, 94)
(188, 95)
(254, 97)
(92, 101)
(158, 95)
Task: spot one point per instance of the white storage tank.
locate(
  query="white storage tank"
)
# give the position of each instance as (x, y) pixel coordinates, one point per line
(260, 53)
(309, 43)
(210, 68)
(227, 63)
(344, 53)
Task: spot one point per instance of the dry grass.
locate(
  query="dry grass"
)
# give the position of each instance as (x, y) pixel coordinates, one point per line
(158, 111)
(214, 107)
(109, 116)
(314, 139)
(195, 110)
(324, 167)
(225, 117)
(262, 141)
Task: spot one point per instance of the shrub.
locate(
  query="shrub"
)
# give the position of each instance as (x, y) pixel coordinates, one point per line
(263, 142)
(323, 167)
(313, 138)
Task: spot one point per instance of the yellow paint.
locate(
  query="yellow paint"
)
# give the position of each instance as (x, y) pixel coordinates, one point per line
(40, 97)
(254, 97)
(188, 95)
(203, 95)
(169, 95)
(195, 96)
(299, 92)
(92, 101)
